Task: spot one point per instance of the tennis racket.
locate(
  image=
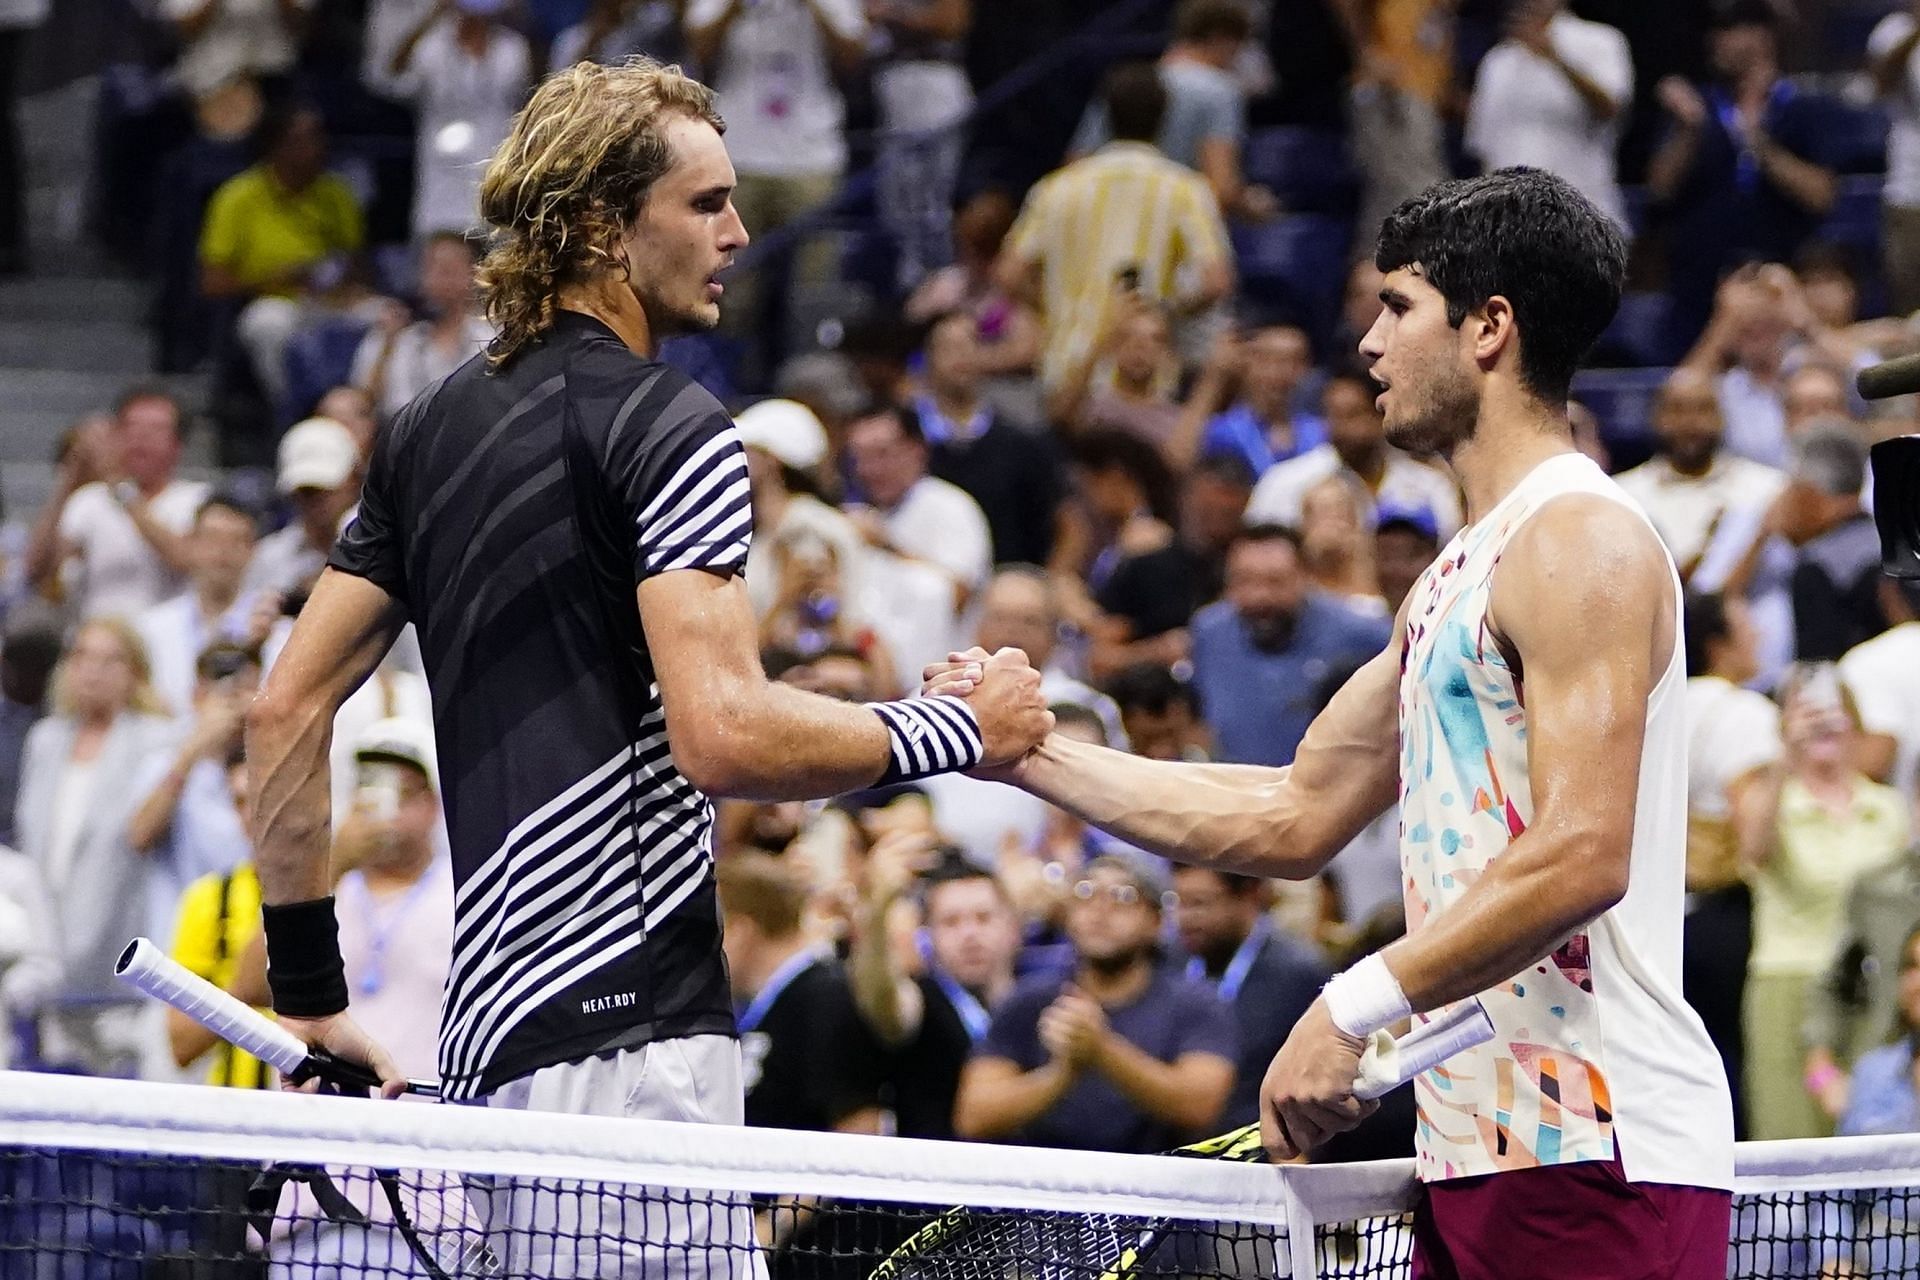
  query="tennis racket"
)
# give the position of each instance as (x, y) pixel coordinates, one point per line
(431, 1213)
(982, 1244)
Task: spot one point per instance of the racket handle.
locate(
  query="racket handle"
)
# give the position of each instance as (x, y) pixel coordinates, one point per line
(165, 979)
(1388, 1063)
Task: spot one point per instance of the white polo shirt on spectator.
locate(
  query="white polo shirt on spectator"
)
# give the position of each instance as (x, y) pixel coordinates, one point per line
(464, 108)
(175, 633)
(1278, 497)
(1903, 112)
(941, 523)
(784, 113)
(1526, 111)
(1687, 509)
(416, 362)
(119, 572)
(1883, 674)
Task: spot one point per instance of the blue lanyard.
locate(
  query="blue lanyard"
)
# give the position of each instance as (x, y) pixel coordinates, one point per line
(1235, 977)
(973, 1014)
(1746, 165)
(374, 975)
(756, 1010)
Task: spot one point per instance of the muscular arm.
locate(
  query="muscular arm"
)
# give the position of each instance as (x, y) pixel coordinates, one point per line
(1267, 822)
(344, 631)
(1582, 595)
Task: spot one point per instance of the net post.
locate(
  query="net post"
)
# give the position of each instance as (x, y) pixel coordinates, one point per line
(1303, 1249)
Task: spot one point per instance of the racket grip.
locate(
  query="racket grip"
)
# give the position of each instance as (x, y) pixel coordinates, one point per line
(1388, 1063)
(159, 975)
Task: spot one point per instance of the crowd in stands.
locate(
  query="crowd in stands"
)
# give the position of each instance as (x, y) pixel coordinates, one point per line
(1086, 385)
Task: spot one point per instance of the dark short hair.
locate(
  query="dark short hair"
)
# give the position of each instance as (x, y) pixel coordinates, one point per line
(222, 500)
(902, 416)
(1227, 467)
(1351, 374)
(1232, 881)
(1529, 237)
(1743, 13)
(1212, 20)
(1154, 689)
(1111, 449)
(1066, 713)
(1703, 621)
(1266, 531)
(951, 866)
(1827, 257)
(223, 658)
(1136, 101)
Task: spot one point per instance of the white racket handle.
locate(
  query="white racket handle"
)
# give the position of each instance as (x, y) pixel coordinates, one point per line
(166, 979)
(1388, 1063)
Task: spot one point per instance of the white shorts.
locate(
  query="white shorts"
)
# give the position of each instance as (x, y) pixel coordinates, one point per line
(548, 1229)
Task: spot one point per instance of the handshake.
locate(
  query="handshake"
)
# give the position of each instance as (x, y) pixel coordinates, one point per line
(1004, 691)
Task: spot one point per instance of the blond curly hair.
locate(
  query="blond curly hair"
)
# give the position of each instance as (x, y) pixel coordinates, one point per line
(568, 181)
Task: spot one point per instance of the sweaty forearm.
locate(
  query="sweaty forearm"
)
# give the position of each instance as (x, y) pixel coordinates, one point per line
(287, 750)
(779, 743)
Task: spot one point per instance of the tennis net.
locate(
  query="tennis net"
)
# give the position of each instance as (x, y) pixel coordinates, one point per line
(122, 1179)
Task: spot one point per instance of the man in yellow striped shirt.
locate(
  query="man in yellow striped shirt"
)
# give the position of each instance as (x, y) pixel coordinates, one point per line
(1124, 218)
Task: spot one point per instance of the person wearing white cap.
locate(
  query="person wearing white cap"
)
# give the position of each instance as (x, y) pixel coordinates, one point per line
(785, 446)
(319, 475)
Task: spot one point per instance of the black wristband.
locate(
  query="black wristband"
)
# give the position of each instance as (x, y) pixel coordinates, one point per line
(304, 969)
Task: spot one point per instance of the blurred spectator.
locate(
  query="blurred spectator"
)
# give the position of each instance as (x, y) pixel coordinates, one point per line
(1356, 443)
(466, 73)
(1552, 96)
(1884, 1097)
(1404, 544)
(1124, 505)
(1402, 85)
(1739, 173)
(1158, 232)
(916, 516)
(1814, 392)
(1243, 403)
(1694, 482)
(29, 964)
(1359, 303)
(1836, 574)
(212, 609)
(1733, 745)
(1019, 610)
(279, 235)
(1206, 119)
(319, 475)
(828, 385)
(28, 653)
(922, 93)
(353, 409)
(1826, 309)
(71, 819)
(929, 1021)
(799, 1030)
(1160, 712)
(1151, 593)
(815, 614)
(1009, 332)
(615, 30)
(1832, 824)
(1258, 653)
(1128, 381)
(785, 449)
(185, 823)
(1883, 674)
(1264, 975)
(1336, 543)
(119, 513)
(1895, 69)
(1009, 468)
(1122, 1055)
(229, 46)
(400, 357)
(1861, 1002)
(1744, 348)
(18, 18)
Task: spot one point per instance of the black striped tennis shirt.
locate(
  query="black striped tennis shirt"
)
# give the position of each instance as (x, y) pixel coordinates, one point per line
(514, 513)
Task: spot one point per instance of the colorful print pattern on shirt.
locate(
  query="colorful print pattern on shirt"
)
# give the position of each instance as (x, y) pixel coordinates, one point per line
(1536, 1094)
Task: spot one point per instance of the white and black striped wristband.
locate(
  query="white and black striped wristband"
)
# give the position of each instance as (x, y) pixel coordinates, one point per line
(928, 736)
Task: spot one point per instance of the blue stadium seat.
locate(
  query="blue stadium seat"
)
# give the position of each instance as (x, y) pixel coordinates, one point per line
(1855, 220)
(1309, 169)
(707, 358)
(1623, 401)
(1296, 265)
(1639, 334)
(319, 357)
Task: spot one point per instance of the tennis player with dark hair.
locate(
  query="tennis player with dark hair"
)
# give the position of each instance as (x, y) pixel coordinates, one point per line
(1529, 716)
(565, 521)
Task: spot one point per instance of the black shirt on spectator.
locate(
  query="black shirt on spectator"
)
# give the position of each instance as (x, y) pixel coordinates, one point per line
(1268, 983)
(803, 1051)
(1160, 590)
(923, 1075)
(1012, 472)
(1836, 591)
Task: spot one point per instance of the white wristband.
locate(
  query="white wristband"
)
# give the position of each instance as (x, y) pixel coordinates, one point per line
(1366, 998)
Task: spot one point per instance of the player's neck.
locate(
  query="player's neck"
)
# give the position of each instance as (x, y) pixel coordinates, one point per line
(1508, 445)
(613, 305)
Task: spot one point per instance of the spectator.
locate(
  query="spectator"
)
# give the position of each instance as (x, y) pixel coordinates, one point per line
(72, 822)
(1007, 467)
(466, 73)
(1266, 976)
(1883, 674)
(922, 93)
(1120, 1056)
(1739, 173)
(1552, 96)
(1158, 232)
(1336, 545)
(1402, 85)
(1815, 392)
(1008, 330)
(1861, 1002)
(1160, 712)
(277, 235)
(915, 516)
(228, 48)
(1128, 380)
(1832, 824)
(1884, 1098)
(1404, 544)
(929, 1022)
(1243, 403)
(799, 1030)
(1206, 119)
(119, 513)
(786, 447)
(1745, 348)
(1836, 574)
(212, 609)
(319, 474)
(615, 30)
(28, 654)
(185, 823)
(400, 357)
(353, 409)
(815, 613)
(1695, 483)
(1258, 653)
(29, 964)
(1895, 68)
(1356, 443)
(1733, 749)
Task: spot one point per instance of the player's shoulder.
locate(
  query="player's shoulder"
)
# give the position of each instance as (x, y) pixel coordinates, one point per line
(1584, 543)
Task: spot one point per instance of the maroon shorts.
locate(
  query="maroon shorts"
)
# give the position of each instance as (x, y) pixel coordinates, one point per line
(1569, 1222)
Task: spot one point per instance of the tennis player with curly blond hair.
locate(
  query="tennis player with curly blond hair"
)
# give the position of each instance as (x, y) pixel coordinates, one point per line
(565, 520)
